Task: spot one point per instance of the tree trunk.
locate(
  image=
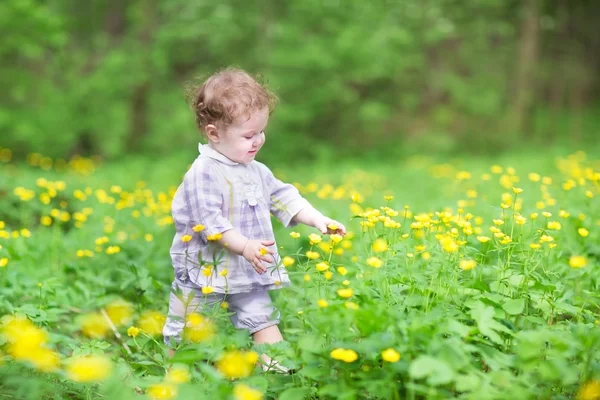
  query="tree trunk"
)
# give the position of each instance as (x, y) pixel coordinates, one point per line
(527, 59)
(138, 128)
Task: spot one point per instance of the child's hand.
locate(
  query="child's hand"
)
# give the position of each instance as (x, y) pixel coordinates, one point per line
(328, 226)
(257, 251)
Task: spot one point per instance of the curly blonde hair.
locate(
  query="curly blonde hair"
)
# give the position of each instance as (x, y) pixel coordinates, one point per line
(227, 95)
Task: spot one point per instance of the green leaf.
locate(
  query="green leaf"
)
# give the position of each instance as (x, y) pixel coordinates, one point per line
(297, 393)
(437, 371)
(514, 306)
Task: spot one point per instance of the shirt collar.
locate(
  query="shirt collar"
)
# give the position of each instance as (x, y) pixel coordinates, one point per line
(208, 151)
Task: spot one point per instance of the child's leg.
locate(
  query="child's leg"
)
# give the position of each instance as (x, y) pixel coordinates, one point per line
(255, 312)
(184, 301)
(268, 335)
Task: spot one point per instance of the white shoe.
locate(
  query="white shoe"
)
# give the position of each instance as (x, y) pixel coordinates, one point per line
(276, 368)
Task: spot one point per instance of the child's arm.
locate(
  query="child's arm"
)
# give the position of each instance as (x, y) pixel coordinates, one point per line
(251, 250)
(288, 206)
(312, 217)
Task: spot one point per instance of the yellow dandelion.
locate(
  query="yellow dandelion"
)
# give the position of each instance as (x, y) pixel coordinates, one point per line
(380, 245)
(162, 391)
(390, 355)
(287, 261)
(90, 368)
(178, 374)
(133, 331)
(198, 228)
(374, 262)
(577, 261)
(245, 392)
(186, 238)
(467, 264)
(345, 293)
(345, 355)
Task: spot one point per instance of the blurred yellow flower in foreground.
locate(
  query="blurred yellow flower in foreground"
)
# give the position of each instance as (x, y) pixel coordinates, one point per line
(198, 328)
(120, 312)
(178, 374)
(237, 363)
(89, 368)
(152, 322)
(390, 355)
(577, 261)
(589, 391)
(94, 325)
(245, 392)
(3, 262)
(344, 355)
(162, 391)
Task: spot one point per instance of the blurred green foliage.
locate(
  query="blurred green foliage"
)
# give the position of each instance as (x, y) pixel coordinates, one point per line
(107, 77)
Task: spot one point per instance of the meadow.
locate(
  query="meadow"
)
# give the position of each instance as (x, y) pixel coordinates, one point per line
(468, 279)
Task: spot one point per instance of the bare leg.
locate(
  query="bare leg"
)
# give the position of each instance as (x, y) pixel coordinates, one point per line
(269, 335)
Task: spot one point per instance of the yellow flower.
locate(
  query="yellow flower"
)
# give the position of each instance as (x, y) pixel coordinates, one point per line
(449, 245)
(589, 391)
(390, 355)
(89, 368)
(583, 232)
(519, 219)
(198, 329)
(245, 392)
(483, 239)
(44, 359)
(46, 220)
(467, 264)
(380, 245)
(342, 270)
(312, 255)
(517, 190)
(344, 355)
(351, 305)
(306, 278)
(535, 246)
(162, 391)
(287, 261)
(336, 238)
(546, 239)
(152, 322)
(148, 237)
(374, 262)
(388, 198)
(178, 374)
(554, 225)
(345, 293)
(237, 364)
(113, 249)
(294, 235)
(3, 262)
(322, 266)
(333, 227)
(133, 331)
(94, 325)
(224, 272)
(186, 238)
(214, 237)
(198, 228)
(207, 290)
(577, 261)
(120, 312)
(322, 303)
(328, 275)
(314, 238)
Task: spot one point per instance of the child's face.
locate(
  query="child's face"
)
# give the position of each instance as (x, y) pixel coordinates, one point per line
(241, 141)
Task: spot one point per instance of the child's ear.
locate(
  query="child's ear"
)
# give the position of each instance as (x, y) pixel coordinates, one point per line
(211, 133)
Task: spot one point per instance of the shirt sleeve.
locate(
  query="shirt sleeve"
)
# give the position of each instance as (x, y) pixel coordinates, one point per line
(285, 200)
(204, 197)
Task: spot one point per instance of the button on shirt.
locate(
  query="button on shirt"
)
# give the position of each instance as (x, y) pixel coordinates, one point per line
(220, 195)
